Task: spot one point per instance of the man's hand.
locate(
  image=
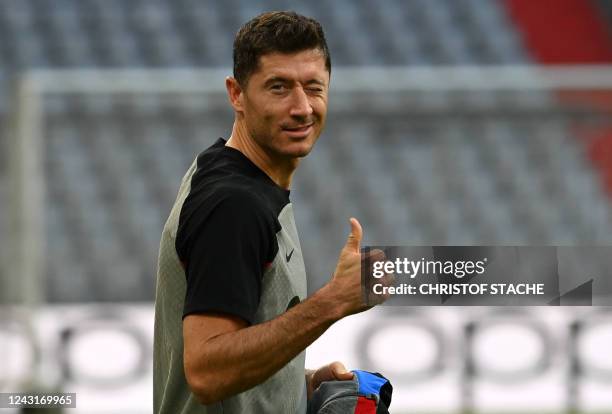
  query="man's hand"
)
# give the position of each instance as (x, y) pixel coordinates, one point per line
(330, 372)
(345, 285)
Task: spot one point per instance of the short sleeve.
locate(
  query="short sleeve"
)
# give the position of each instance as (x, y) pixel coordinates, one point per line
(227, 257)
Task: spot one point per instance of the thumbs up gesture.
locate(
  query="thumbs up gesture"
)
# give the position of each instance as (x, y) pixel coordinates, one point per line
(345, 284)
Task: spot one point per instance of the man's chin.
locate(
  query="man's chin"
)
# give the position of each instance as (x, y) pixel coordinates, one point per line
(294, 154)
(298, 150)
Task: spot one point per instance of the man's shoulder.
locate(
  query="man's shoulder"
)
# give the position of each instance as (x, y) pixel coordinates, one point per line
(220, 171)
(224, 206)
(238, 197)
(228, 183)
(222, 184)
(225, 179)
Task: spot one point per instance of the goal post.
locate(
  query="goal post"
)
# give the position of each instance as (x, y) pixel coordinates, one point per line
(27, 146)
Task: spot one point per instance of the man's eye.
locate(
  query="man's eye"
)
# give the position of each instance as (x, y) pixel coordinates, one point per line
(277, 87)
(317, 90)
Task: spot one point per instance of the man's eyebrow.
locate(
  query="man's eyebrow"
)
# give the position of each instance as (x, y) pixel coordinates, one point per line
(315, 81)
(274, 79)
(281, 79)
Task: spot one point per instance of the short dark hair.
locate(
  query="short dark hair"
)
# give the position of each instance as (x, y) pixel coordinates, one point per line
(279, 31)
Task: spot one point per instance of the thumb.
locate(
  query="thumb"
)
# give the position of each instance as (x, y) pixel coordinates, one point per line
(354, 239)
(339, 372)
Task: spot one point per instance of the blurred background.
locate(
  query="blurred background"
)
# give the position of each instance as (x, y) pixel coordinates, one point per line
(452, 122)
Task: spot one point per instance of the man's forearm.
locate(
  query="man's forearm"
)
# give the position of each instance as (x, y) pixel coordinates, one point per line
(236, 361)
(241, 357)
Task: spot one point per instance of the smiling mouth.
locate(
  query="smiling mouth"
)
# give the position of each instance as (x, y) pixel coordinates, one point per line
(300, 132)
(301, 128)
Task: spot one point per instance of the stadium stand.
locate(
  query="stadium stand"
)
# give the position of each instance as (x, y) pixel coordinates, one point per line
(606, 9)
(113, 165)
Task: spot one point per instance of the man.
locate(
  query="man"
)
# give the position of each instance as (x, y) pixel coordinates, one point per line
(231, 316)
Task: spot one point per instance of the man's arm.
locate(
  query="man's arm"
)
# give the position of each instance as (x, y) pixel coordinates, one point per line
(238, 357)
(223, 356)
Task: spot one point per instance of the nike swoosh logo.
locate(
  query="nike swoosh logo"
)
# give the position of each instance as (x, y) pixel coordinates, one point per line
(288, 256)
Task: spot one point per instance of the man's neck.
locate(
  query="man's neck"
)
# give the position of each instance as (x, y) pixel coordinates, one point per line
(278, 169)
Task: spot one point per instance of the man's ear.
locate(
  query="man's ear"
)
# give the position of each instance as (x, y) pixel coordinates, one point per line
(234, 93)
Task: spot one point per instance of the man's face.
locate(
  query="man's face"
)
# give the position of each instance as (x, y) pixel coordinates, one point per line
(285, 102)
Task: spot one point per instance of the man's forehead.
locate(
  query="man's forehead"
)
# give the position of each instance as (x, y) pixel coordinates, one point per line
(307, 63)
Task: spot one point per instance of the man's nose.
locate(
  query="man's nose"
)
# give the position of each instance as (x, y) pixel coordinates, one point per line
(300, 105)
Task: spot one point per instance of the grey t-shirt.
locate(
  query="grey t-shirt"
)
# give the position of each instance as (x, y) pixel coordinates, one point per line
(231, 246)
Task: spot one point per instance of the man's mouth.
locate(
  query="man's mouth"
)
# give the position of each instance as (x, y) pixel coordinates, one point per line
(298, 131)
(298, 128)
